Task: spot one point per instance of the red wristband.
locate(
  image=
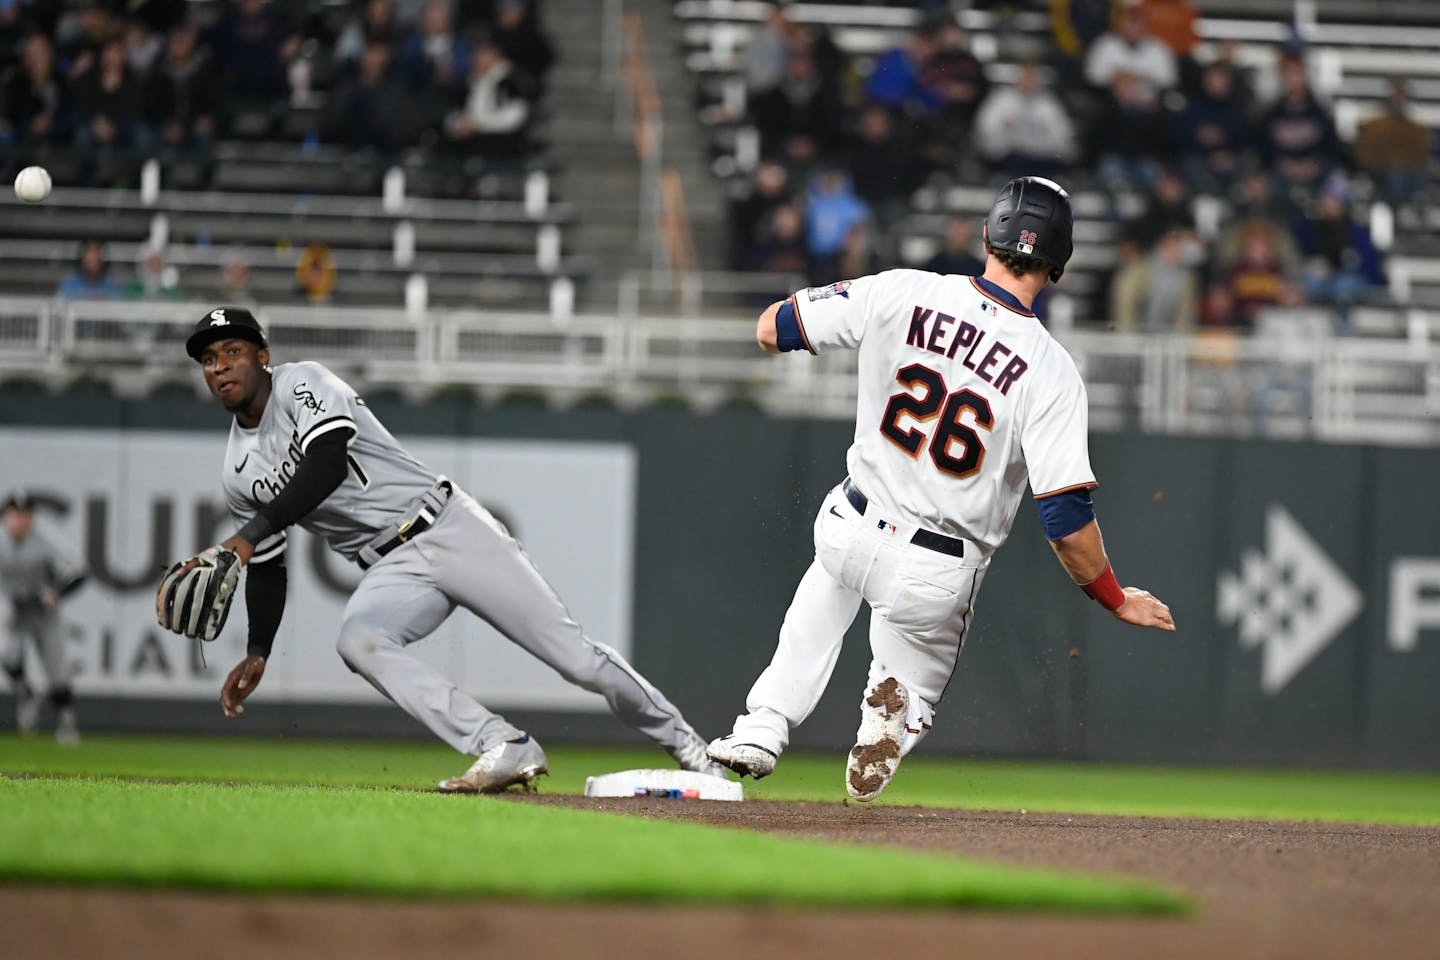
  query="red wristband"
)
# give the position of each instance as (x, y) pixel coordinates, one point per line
(1105, 590)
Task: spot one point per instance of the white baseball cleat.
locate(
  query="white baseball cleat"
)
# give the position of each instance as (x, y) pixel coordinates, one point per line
(514, 761)
(27, 710)
(67, 729)
(746, 759)
(876, 754)
(690, 754)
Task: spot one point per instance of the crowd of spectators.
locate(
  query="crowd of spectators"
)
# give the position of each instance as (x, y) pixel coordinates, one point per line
(144, 76)
(1119, 104)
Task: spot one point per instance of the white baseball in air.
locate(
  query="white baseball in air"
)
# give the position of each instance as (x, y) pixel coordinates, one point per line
(32, 184)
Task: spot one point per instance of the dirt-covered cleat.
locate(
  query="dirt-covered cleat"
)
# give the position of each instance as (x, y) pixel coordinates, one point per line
(67, 728)
(746, 759)
(503, 766)
(690, 754)
(876, 754)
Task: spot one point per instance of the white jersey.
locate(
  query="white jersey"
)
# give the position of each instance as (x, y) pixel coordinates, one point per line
(964, 399)
(307, 401)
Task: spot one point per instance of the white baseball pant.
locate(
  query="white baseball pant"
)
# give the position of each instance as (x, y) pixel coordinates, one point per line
(921, 603)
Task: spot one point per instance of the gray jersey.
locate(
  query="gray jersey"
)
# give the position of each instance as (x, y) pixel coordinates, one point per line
(28, 567)
(307, 401)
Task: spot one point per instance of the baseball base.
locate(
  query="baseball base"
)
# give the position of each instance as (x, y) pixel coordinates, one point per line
(676, 784)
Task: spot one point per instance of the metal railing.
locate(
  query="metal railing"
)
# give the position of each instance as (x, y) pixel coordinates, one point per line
(1337, 389)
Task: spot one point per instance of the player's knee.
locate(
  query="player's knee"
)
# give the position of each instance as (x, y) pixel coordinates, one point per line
(357, 645)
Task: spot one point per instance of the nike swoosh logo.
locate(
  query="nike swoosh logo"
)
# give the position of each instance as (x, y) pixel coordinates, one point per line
(241, 465)
(837, 513)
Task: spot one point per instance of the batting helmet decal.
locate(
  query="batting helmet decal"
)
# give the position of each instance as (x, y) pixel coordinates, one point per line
(1032, 216)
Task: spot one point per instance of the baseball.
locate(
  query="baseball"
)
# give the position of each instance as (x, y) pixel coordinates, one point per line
(32, 184)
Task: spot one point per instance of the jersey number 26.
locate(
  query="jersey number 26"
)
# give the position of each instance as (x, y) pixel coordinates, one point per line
(955, 446)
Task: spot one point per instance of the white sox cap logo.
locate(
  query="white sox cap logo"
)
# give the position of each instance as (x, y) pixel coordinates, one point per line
(217, 318)
(1293, 599)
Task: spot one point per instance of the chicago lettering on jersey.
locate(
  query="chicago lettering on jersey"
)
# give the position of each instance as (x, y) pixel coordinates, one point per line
(979, 356)
(283, 473)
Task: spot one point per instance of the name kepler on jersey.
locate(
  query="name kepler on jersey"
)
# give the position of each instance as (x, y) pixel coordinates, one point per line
(966, 337)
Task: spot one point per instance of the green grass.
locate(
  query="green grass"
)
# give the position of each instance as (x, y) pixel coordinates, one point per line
(925, 781)
(282, 838)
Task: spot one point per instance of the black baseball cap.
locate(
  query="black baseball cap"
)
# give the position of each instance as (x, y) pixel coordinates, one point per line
(224, 323)
(18, 500)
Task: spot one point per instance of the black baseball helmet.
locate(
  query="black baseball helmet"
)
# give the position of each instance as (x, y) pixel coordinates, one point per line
(224, 323)
(1032, 217)
(18, 500)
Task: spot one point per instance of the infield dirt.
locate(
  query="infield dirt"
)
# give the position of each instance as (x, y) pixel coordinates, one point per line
(1263, 889)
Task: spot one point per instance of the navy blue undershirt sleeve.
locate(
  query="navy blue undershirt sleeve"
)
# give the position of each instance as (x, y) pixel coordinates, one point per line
(787, 329)
(1064, 513)
(264, 605)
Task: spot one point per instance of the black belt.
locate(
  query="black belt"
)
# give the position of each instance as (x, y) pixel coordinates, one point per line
(435, 499)
(922, 538)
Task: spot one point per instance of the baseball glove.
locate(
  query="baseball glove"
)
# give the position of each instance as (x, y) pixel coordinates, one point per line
(194, 596)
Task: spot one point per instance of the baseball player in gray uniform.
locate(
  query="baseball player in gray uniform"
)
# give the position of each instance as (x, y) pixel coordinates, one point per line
(305, 449)
(35, 575)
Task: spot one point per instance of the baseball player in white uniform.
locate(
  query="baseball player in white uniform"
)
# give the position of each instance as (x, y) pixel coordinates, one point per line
(964, 400)
(305, 449)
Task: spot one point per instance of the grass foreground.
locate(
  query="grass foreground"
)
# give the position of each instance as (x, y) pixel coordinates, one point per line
(1353, 796)
(292, 838)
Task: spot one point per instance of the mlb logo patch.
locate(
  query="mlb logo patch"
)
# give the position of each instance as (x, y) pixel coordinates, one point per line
(886, 527)
(1026, 243)
(990, 308)
(840, 289)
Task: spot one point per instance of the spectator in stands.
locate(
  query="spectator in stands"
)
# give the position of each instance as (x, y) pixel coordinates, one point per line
(1342, 266)
(781, 246)
(958, 255)
(752, 213)
(1075, 26)
(855, 258)
(832, 208)
(32, 97)
(767, 51)
(1167, 211)
(497, 107)
(252, 47)
(372, 109)
(1259, 211)
(516, 31)
(956, 77)
(375, 23)
(1258, 281)
(434, 55)
(142, 47)
(154, 278)
(1128, 140)
(1025, 129)
(1297, 137)
(800, 105)
(315, 273)
(108, 102)
(898, 78)
(1154, 292)
(181, 93)
(90, 280)
(883, 166)
(1130, 49)
(234, 284)
(1396, 150)
(1212, 132)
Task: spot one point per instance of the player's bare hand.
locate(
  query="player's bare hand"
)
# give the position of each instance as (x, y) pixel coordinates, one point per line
(1143, 610)
(240, 684)
(242, 548)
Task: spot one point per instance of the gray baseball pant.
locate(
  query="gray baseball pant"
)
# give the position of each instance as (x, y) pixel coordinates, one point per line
(468, 559)
(42, 626)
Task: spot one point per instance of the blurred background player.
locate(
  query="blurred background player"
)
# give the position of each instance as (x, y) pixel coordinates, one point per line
(36, 574)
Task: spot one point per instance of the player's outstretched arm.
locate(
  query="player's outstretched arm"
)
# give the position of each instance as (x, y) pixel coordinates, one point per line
(1082, 554)
(765, 332)
(265, 590)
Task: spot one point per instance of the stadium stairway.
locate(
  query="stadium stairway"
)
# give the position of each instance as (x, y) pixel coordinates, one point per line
(601, 175)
